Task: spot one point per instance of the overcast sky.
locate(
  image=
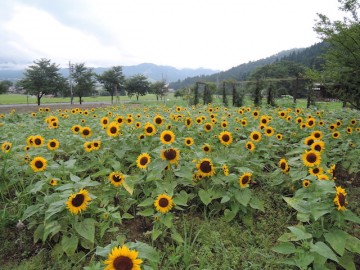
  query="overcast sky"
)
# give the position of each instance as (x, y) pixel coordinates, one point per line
(216, 34)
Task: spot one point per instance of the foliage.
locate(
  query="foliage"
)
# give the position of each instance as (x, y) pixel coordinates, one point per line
(342, 67)
(112, 79)
(137, 85)
(84, 80)
(4, 86)
(158, 88)
(43, 78)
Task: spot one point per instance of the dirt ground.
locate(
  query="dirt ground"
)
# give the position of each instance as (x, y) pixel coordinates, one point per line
(34, 108)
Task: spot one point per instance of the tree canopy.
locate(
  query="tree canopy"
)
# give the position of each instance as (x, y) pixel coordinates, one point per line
(112, 79)
(4, 86)
(42, 78)
(84, 80)
(137, 85)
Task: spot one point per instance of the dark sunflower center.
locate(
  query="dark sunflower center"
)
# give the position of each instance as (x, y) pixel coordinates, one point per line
(208, 127)
(188, 142)
(86, 132)
(158, 120)
(76, 129)
(311, 158)
(37, 141)
(268, 131)
(341, 198)
(105, 122)
(311, 123)
(206, 149)
(170, 154)
(52, 144)
(39, 164)
(283, 165)
(149, 129)
(249, 146)
(306, 183)
(96, 144)
(225, 137)
(310, 142)
(7, 147)
(54, 124)
(163, 202)
(316, 170)
(143, 161)
(123, 263)
(336, 135)
(167, 137)
(205, 166)
(129, 120)
(113, 130)
(116, 178)
(119, 120)
(188, 122)
(264, 121)
(255, 136)
(245, 180)
(317, 135)
(78, 200)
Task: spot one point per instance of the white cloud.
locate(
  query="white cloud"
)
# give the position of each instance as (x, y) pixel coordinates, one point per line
(217, 34)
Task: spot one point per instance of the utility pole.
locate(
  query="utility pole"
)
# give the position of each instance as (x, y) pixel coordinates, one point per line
(70, 82)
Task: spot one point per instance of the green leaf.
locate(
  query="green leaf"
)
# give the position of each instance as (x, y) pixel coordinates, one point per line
(204, 197)
(39, 232)
(167, 220)
(352, 244)
(298, 204)
(155, 234)
(70, 163)
(31, 210)
(336, 239)
(147, 202)
(177, 237)
(348, 215)
(128, 184)
(181, 198)
(51, 228)
(285, 248)
(74, 178)
(225, 199)
(347, 261)
(145, 251)
(146, 212)
(243, 196)
(69, 244)
(86, 229)
(37, 187)
(299, 233)
(322, 249)
(256, 203)
(317, 213)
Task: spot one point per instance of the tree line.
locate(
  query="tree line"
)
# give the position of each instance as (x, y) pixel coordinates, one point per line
(43, 78)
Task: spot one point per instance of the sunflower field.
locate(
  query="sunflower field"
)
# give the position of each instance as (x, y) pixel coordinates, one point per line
(125, 187)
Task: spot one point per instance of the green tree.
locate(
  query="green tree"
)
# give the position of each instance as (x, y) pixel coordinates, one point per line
(137, 85)
(341, 71)
(225, 101)
(112, 79)
(42, 78)
(158, 88)
(84, 80)
(4, 86)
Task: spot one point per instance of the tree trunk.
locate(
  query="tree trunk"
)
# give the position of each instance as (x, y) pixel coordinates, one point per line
(112, 99)
(137, 97)
(80, 99)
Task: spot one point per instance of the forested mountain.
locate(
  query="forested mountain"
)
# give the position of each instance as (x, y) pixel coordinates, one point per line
(307, 56)
(151, 71)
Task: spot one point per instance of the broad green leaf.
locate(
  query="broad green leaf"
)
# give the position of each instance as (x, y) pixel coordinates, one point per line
(70, 163)
(31, 210)
(322, 249)
(86, 229)
(298, 204)
(177, 237)
(352, 244)
(243, 196)
(145, 251)
(37, 187)
(225, 199)
(348, 215)
(51, 228)
(256, 203)
(39, 232)
(147, 202)
(347, 261)
(155, 234)
(204, 197)
(317, 213)
(181, 198)
(69, 244)
(146, 212)
(299, 233)
(285, 248)
(167, 220)
(74, 178)
(336, 239)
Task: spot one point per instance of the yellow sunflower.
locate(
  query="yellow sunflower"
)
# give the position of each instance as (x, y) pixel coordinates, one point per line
(116, 178)
(76, 129)
(122, 258)
(163, 203)
(269, 131)
(143, 160)
(38, 164)
(225, 169)
(158, 120)
(120, 120)
(206, 148)
(250, 146)
(310, 122)
(88, 147)
(6, 146)
(113, 129)
(311, 158)
(283, 164)
(189, 141)
(225, 138)
(244, 179)
(78, 202)
(305, 183)
(85, 132)
(104, 121)
(38, 140)
(279, 136)
(53, 182)
(208, 127)
(317, 134)
(96, 145)
(255, 136)
(172, 155)
(149, 129)
(316, 171)
(318, 146)
(53, 144)
(340, 198)
(309, 140)
(205, 167)
(188, 122)
(336, 135)
(167, 137)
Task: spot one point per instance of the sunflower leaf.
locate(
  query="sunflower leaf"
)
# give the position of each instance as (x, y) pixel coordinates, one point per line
(69, 244)
(147, 202)
(205, 196)
(285, 248)
(256, 203)
(336, 240)
(146, 212)
(322, 249)
(86, 229)
(243, 196)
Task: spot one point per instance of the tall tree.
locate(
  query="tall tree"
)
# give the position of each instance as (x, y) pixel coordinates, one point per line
(42, 78)
(342, 59)
(112, 79)
(158, 88)
(4, 86)
(84, 81)
(137, 85)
